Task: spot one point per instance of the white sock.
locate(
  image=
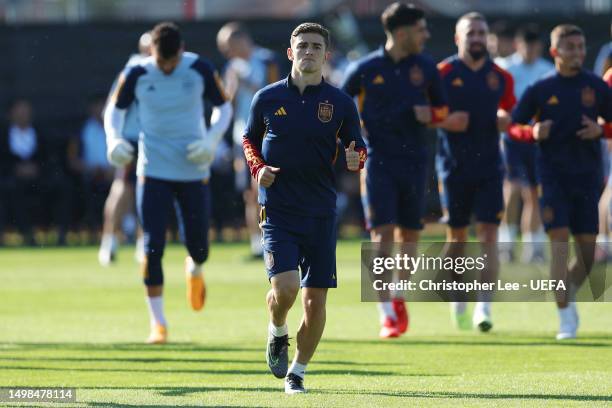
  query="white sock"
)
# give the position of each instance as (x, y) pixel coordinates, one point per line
(156, 310)
(278, 331)
(459, 307)
(385, 309)
(298, 369)
(256, 247)
(193, 268)
(483, 307)
(108, 242)
(507, 233)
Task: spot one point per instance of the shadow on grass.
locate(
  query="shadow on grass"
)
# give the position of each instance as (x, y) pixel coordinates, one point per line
(470, 342)
(469, 395)
(147, 360)
(172, 370)
(185, 391)
(89, 347)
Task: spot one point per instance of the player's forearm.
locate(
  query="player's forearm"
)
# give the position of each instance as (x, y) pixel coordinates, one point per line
(114, 118)
(438, 114)
(253, 157)
(521, 133)
(220, 121)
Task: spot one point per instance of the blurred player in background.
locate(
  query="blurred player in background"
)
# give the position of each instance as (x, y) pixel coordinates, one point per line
(399, 93)
(566, 106)
(291, 144)
(469, 161)
(120, 199)
(500, 42)
(175, 153)
(249, 68)
(603, 250)
(526, 66)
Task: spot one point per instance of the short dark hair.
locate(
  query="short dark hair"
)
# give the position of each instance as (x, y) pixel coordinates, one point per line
(502, 29)
(400, 14)
(312, 28)
(562, 31)
(529, 33)
(166, 39)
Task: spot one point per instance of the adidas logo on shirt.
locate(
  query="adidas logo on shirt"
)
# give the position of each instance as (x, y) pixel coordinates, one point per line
(280, 112)
(378, 80)
(553, 100)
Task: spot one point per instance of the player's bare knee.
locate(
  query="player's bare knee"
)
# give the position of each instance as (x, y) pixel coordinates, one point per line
(285, 287)
(314, 300)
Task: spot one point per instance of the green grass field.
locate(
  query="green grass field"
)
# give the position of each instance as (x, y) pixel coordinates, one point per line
(65, 321)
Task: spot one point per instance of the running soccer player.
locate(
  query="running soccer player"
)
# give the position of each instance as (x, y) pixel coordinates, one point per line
(399, 93)
(175, 153)
(526, 66)
(565, 106)
(121, 196)
(291, 144)
(468, 160)
(249, 69)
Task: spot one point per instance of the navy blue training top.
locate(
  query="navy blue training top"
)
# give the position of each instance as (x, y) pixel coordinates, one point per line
(564, 100)
(480, 93)
(299, 134)
(387, 92)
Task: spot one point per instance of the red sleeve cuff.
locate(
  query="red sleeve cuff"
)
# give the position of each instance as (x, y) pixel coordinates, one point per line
(521, 133)
(363, 156)
(253, 157)
(438, 114)
(607, 130)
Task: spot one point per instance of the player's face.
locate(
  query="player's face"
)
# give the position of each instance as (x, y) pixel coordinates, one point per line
(167, 65)
(308, 52)
(471, 38)
(412, 38)
(571, 51)
(530, 51)
(21, 114)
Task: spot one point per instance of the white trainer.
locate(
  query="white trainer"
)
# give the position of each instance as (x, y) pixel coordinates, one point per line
(568, 322)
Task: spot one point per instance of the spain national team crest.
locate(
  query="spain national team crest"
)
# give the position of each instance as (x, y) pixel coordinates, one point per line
(416, 75)
(588, 97)
(326, 111)
(492, 81)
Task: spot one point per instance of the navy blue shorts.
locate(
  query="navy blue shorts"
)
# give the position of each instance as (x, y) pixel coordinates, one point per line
(520, 159)
(393, 192)
(155, 199)
(291, 241)
(466, 195)
(570, 201)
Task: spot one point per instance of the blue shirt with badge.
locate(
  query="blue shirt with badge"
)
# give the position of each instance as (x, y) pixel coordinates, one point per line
(299, 133)
(387, 92)
(564, 100)
(171, 114)
(480, 93)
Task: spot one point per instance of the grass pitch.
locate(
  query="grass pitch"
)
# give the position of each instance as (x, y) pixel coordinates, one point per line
(65, 321)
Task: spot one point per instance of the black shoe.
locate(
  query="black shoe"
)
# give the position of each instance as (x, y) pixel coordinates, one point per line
(277, 355)
(294, 384)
